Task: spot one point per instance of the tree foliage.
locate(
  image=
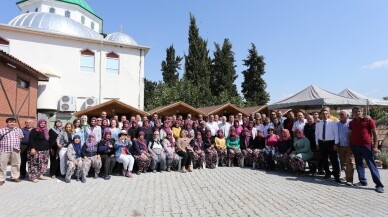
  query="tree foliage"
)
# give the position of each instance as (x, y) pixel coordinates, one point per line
(253, 86)
(170, 66)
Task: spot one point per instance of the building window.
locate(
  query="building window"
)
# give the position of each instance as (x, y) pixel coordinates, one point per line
(83, 20)
(67, 14)
(112, 63)
(52, 10)
(4, 45)
(23, 83)
(92, 25)
(36, 9)
(87, 61)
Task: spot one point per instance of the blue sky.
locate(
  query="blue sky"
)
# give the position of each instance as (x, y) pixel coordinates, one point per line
(332, 44)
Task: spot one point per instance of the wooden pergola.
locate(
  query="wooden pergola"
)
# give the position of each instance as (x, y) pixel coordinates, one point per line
(221, 110)
(256, 109)
(178, 108)
(112, 107)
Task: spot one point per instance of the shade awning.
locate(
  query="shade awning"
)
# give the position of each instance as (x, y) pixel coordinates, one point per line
(112, 107)
(178, 108)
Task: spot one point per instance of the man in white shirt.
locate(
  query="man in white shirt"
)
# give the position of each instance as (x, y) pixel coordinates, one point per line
(326, 137)
(299, 123)
(212, 125)
(224, 126)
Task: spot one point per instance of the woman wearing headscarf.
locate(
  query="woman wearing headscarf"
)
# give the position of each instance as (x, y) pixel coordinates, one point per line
(172, 158)
(165, 130)
(38, 154)
(156, 151)
(233, 146)
(283, 149)
(220, 142)
(63, 141)
(104, 124)
(157, 126)
(199, 150)
(74, 160)
(246, 141)
(123, 154)
(107, 152)
(91, 158)
(54, 159)
(176, 130)
(134, 131)
(126, 126)
(270, 146)
(142, 158)
(302, 152)
(210, 150)
(147, 129)
(237, 127)
(258, 146)
(184, 149)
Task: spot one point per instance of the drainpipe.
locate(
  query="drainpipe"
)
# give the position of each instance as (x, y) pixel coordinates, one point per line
(140, 63)
(100, 76)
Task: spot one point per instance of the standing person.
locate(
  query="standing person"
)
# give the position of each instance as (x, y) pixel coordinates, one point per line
(156, 151)
(107, 152)
(10, 139)
(288, 123)
(278, 126)
(224, 126)
(210, 150)
(326, 138)
(63, 141)
(233, 146)
(360, 131)
(231, 122)
(79, 131)
(91, 158)
(122, 118)
(84, 122)
(126, 126)
(184, 150)
(123, 155)
(344, 150)
(279, 115)
(74, 160)
(54, 133)
(38, 153)
(95, 129)
(134, 131)
(212, 125)
(221, 147)
(299, 122)
(172, 158)
(114, 129)
(104, 124)
(24, 147)
(147, 129)
(316, 117)
(309, 133)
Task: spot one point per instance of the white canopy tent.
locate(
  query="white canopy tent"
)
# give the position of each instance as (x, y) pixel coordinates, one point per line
(315, 97)
(371, 102)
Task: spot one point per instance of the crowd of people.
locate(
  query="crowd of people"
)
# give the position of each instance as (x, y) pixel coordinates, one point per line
(183, 144)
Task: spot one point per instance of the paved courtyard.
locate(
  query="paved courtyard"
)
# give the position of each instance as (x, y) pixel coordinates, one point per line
(219, 192)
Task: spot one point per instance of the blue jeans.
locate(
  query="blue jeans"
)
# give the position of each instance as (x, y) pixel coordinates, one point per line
(360, 153)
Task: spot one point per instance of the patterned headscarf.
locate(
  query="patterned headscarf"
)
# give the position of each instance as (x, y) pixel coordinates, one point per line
(286, 137)
(91, 145)
(300, 131)
(220, 134)
(77, 146)
(232, 133)
(142, 142)
(44, 130)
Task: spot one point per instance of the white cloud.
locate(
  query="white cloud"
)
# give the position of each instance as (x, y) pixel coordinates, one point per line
(378, 64)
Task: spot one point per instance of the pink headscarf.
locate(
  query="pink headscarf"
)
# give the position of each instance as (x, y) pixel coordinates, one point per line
(44, 130)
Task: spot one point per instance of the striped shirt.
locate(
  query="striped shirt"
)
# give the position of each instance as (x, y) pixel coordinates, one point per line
(11, 139)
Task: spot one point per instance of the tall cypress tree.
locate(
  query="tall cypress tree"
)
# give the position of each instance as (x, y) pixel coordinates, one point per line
(223, 70)
(150, 90)
(253, 86)
(170, 66)
(197, 65)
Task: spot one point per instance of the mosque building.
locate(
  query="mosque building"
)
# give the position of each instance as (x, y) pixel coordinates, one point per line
(64, 40)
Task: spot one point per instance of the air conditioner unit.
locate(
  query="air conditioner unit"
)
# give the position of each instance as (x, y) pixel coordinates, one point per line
(67, 104)
(90, 102)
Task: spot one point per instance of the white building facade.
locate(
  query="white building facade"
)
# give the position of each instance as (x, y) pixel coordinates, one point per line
(62, 39)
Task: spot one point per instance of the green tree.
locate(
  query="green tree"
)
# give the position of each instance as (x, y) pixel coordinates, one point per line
(253, 86)
(170, 66)
(150, 90)
(223, 72)
(197, 64)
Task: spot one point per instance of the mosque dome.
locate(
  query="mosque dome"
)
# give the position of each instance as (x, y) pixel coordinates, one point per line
(54, 23)
(122, 38)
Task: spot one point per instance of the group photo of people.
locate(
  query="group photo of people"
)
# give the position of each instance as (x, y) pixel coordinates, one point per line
(99, 147)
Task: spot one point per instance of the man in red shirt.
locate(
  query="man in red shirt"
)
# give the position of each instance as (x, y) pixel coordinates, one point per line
(360, 131)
